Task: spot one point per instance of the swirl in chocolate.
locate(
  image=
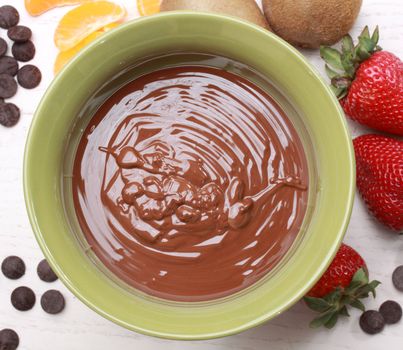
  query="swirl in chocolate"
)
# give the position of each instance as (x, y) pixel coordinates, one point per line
(190, 183)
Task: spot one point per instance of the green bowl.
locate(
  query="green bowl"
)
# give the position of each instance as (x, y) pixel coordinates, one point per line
(60, 114)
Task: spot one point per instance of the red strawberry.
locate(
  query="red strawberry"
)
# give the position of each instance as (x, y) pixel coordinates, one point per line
(370, 84)
(380, 177)
(344, 283)
(340, 272)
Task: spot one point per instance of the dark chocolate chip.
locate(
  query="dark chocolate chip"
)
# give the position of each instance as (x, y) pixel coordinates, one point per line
(9, 17)
(8, 86)
(52, 302)
(9, 114)
(1, 100)
(8, 65)
(391, 311)
(397, 278)
(23, 298)
(13, 267)
(45, 272)
(3, 47)
(29, 76)
(23, 51)
(9, 339)
(372, 322)
(19, 34)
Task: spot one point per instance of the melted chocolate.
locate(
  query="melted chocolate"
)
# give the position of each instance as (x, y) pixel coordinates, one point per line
(190, 183)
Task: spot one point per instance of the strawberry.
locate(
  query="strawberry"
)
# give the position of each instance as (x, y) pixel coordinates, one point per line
(368, 82)
(380, 177)
(344, 283)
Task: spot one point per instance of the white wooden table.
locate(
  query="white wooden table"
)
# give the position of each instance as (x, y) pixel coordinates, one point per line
(79, 328)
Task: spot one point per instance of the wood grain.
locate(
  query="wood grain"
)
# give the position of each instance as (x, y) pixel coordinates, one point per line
(78, 328)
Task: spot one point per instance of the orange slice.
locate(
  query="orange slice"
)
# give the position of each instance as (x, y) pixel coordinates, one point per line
(84, 20)
(148, 7)
(37, 7)
(65, 56)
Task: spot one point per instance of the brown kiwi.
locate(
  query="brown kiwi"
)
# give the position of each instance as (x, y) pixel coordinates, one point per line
(311, 23)
(245, 9)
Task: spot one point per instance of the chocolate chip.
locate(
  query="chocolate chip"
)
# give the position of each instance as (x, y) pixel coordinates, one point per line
(13, 267)
(8, 65)
(3, 47)
(391, 311)
(397, 278)
(1, 100)
(45, 272)
(9, 114)
(19, 34)
(372, 322)
(9, 339)
(29, 76)
(23, 51)
(52, 302)
(23, 298)
(8, 86)
(9, 17)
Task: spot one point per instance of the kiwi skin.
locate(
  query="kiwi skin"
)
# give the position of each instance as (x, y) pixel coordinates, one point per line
(311, 23)
(245, 9)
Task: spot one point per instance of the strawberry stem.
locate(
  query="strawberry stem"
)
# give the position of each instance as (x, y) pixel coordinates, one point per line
(342, 66)
(334, 304)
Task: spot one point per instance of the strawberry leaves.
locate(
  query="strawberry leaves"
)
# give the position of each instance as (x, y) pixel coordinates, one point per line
(335, 303)
(342, 66)
(347, 44)
(332, 57)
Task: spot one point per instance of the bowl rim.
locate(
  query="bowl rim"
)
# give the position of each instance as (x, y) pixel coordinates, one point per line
(338, 236)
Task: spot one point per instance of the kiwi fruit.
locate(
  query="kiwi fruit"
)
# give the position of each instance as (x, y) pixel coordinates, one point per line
(245, 9)
(311, 23)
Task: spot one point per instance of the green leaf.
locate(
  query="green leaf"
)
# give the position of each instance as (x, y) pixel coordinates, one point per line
(340, 93)
(348, 63)
(367, 44)
(317, 304)
(346, 300)
(364, 291)
(332, 321)
(334, 296)
(365, 33)
(353, 287)
(347, 44)
(331, 56)
(322, 320)
(358, 304)
(361, 53)
(330, 72)
(360, 276)
(344, 312)
(375, 36)
(343, 94)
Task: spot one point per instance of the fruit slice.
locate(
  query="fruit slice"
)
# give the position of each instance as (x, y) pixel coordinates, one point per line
(65, 56)
(37, 7)
(84, 20)
(148, 7)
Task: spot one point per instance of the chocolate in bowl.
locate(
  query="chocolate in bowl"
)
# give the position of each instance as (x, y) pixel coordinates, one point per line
(190, 183)
(83, 86)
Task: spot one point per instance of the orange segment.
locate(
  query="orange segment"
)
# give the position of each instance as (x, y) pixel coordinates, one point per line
(148, 7)
(37, 7)
(84, 20)
(65, 56)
